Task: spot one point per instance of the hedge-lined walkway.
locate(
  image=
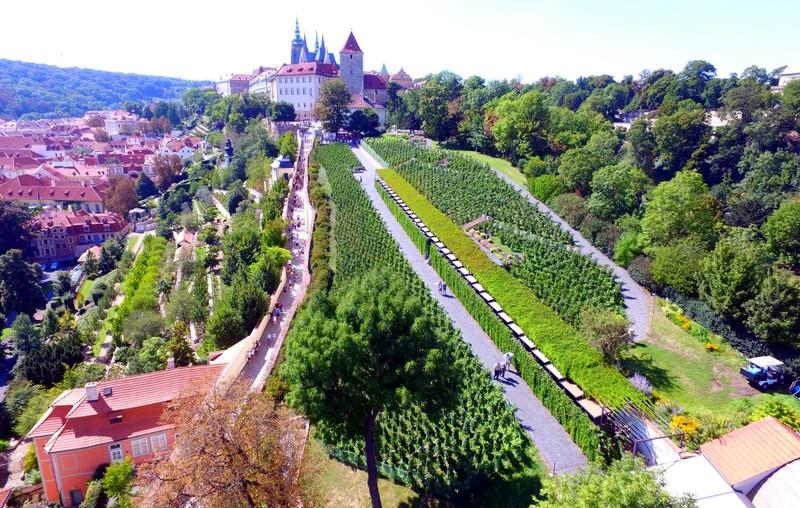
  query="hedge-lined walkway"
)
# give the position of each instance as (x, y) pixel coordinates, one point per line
(555, 446)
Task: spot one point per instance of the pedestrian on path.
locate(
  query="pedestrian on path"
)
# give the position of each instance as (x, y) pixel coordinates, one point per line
(444, 289)
(507, 360)
(496, 370)
(440, 287)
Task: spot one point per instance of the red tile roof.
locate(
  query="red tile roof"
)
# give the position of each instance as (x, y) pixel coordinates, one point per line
(351, 45)
(5, 495)
(15, 142)
(74, 222)
(360, 102)
(309, 68)
(374, 81)
(753, 450)
(30, 188)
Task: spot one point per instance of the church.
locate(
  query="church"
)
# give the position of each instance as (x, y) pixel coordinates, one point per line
(299, 82)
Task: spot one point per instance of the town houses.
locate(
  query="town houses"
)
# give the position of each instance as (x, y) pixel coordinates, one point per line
(60, 168)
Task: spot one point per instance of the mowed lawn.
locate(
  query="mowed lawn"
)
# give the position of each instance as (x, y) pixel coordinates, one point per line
(336, 485)
(501, 165)
(678, 366)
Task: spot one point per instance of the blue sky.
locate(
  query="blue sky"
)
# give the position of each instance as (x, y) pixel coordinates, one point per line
(495, 39)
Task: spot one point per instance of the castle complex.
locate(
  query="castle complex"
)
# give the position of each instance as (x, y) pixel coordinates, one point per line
(299, 82)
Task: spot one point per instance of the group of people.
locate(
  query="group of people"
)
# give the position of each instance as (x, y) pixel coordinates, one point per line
(500, 368)
(442, 288)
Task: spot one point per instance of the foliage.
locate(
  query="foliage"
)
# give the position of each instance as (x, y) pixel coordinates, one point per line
(781, 232)
(145, 187)
(34, 409)
(774, 313)
(142, 324)
(616, 191)
(331, 107)
(732, 273)
(167, 168)
(680, 208)
(547, 186)
(19, 284)
(17, 225)
(606, 331)
(152, 356)
(253, 445)
(625, 483)
(38, 90)
(675, 265)
(780, 409)
(287, 145)
(117, 481)
(121, 195)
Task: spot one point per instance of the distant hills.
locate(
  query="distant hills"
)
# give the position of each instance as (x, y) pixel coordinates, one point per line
(30, 90)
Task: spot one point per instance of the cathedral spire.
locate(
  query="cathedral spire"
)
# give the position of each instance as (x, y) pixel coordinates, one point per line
(297, 38)
(322, 51)
(316, 41)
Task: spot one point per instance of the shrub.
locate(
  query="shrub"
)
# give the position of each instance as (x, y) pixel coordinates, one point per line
(641, 383)
(546, 186)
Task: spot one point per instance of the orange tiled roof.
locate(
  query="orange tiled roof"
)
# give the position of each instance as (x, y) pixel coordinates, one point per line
(753, 450)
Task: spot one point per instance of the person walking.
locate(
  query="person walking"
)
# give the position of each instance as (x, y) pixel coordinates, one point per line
(444, 289)
(507, 356)
(496, 371)
(440, 287)
(503, 369)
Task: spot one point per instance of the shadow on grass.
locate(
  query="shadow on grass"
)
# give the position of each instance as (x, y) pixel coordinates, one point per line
(642, 363)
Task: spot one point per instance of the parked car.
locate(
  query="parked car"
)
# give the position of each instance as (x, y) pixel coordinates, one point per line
(763, 372)
(54, 265)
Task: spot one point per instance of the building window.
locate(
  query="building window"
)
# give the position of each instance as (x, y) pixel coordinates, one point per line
(115, 451)
(140, 447)
(159, 442)
(76, 497)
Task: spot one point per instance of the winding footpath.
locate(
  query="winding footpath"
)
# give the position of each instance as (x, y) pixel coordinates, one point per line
(556, 448)
(638, 301)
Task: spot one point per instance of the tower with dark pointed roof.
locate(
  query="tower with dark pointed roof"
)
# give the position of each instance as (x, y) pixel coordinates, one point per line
(297, 43)
(351, 66)
(322, 51)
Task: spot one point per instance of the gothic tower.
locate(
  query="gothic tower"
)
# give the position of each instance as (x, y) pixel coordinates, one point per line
(297, 43)
(351, 66)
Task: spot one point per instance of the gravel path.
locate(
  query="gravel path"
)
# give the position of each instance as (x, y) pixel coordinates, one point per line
(637, 299)
(559, 452)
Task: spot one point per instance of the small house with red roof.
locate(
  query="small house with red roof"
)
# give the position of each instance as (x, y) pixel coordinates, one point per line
(65, 235)
(106, 422)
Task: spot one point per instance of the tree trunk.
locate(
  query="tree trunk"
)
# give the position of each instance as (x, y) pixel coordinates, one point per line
(372, 464)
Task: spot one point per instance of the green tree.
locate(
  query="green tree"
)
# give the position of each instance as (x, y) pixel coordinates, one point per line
(287, 145)
(547, 186)
(24, 336)
(117, 482)
(680, 208)
(642, 143)
(616, 190)
(283, 112)
(577, 166)
(732, 273)
(782, 231)
(606, 331)
(18, 227)
(121, 195)
(363, 122)
(63, 283)
(356, 355)
(266, 271)
(178, 345)
(19, 284)
(151, 357)
(774, 314)
(225, 327)
(518, 125)
(145, 187)
(626, 483)
(439, 118)
(677, 137)
(141, 324)
(331, 108)
(676, 264)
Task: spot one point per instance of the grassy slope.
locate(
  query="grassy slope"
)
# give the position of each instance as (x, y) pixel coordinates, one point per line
(559, 341)
(501, 165)
(679, 366)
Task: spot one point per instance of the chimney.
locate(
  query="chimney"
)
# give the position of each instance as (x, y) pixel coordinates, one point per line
(170, 363)
(91, 391)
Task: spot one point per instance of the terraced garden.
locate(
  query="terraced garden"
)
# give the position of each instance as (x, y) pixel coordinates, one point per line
(475, 446)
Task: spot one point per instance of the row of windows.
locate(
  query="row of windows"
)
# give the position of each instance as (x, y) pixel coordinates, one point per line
(139, 446)
(291, 91)
(301, 79)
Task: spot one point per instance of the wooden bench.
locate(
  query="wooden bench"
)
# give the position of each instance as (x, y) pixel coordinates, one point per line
(472, 280)
(592, 408)
(450, 257)
(486, 297)
(444, 250)
(458, 264)
(527, 343)
(477, 287)
(516, 329)
(495, 306)
(439, 245)
(463, 271)
(505, 317)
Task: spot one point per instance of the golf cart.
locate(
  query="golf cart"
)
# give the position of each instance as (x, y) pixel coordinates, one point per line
(763, 372)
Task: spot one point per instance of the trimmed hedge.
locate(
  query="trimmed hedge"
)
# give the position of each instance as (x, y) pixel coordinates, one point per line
(566, 348)
(588, 436)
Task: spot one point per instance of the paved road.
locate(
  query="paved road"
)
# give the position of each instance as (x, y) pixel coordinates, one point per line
(638, 300)
(556, 448)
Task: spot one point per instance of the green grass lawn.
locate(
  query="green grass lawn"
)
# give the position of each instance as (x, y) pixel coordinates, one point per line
(501, 165)
(678, 365)
(85, 290)
(131, 242)
(337, 485)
